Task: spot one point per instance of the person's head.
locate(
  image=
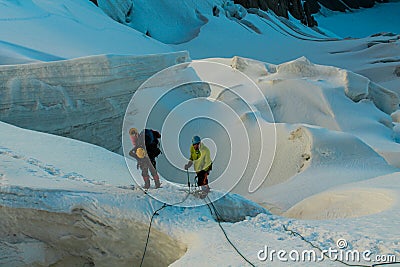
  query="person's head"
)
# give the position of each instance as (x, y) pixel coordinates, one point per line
(196, 142)
(133, 131)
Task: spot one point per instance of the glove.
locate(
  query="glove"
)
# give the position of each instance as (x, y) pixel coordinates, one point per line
(186, 166)
(137, 166)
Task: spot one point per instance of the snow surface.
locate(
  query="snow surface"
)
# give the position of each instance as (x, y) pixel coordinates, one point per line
(84, 197)
(363, 22)
(264, 36)
(169, 22)
(333, 175)
(44, 30)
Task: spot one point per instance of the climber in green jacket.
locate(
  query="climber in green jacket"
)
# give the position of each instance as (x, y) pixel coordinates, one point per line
(200, 157)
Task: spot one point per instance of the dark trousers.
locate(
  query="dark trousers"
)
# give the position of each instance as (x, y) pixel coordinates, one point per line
(202, 178)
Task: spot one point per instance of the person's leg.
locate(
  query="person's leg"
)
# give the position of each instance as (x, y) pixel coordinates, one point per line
(153, 172)
(205, 186)
(200, 178)
(157, 181)
(202, 181)
(145, 175)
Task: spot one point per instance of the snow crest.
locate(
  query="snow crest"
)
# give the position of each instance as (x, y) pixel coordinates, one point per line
(75, 97)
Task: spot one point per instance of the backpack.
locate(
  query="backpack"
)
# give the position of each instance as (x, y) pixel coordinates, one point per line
(148, 139)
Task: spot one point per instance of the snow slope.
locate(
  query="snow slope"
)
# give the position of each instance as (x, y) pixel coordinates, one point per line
(92, 215)
(171, 22)
(78, 197)
(322, 159)
(191, 25)
(359, 23)
(373, 57)
(43, 30)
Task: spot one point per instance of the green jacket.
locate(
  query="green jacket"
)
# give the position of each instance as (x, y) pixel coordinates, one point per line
(201, 158)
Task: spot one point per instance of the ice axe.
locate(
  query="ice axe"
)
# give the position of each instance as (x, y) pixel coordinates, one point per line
(187, 172)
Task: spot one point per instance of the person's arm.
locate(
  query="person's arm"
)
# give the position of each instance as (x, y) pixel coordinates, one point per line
(133, 154)
(189, 164)
(207, 160)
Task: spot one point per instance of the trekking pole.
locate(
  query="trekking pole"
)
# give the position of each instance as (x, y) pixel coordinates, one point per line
(187, 171)
(196, 183)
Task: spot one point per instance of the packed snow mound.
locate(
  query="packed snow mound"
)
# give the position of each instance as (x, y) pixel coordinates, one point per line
(327, 140)
(35, 31)
(396, 116)
(355, 86)
(76, 97)
(340, 100)
(351, 200)
(309, 160)
(350, 203)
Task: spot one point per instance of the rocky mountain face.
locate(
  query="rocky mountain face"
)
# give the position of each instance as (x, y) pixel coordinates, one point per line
(303, 10)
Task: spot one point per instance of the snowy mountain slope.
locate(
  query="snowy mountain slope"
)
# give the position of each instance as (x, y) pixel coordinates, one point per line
(91, 218)
(16, 54)
(337, 89)
(272, 39)
(183, 20)
(171, 22)
(47, 31)
(65, 201)
(374, 57)
(70, 203)
(358, 22)
(264, 36)
(84, 217)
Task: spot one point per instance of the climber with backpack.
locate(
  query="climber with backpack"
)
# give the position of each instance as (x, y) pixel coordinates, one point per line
(145, 150)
